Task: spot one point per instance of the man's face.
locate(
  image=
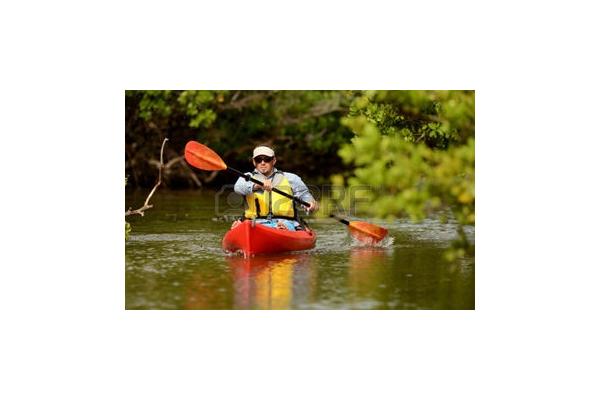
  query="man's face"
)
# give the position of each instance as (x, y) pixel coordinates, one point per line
(264, 164)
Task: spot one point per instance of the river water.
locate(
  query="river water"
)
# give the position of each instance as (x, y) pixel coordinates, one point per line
(174, 260)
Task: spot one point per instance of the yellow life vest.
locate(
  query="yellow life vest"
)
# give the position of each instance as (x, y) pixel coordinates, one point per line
(261, 204)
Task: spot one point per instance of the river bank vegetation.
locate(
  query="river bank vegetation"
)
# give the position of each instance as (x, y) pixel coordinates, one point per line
(406, 153)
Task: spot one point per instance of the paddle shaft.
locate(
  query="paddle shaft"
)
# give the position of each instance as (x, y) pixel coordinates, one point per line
(289, 196)
(343, 221)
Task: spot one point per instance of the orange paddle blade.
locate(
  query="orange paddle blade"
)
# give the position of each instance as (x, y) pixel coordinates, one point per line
(201, 157)
(367, 232)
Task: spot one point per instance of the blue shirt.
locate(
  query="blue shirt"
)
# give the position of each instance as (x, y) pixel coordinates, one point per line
(299, 189)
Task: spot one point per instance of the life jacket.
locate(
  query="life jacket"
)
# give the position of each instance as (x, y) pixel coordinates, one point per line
(265, 204)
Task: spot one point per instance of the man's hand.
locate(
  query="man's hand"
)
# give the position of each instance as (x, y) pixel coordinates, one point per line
(267, 186)
(314, 206)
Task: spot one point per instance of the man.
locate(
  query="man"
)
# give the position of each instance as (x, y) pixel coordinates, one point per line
(264, 205)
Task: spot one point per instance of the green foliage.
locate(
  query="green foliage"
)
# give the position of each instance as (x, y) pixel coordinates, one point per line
(155, 104)
(198, 107)
(436, 118)
(416, 149)
(302, 126)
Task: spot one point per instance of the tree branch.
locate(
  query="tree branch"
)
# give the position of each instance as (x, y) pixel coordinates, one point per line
(183, 167)
(146, 206)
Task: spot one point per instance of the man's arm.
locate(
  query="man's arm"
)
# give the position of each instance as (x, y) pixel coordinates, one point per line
(301, 191)
(243, 186)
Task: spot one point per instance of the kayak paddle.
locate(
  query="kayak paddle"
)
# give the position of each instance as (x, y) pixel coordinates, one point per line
(203, 157)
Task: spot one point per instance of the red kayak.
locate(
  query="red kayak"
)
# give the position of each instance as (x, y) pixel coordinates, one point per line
(259, 239)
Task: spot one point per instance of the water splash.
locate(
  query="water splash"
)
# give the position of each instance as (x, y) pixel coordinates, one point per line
(388, 241)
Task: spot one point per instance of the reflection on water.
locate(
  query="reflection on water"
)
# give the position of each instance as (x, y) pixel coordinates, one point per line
(268, 282)
(174, 261)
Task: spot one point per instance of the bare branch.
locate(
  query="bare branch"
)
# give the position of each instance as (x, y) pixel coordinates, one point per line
(146, 206)
(211, 177)
(168, 165)
(182, 164)
(173, 162)
(139, 211)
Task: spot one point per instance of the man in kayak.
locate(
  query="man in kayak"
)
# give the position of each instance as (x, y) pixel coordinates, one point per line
(264, 205)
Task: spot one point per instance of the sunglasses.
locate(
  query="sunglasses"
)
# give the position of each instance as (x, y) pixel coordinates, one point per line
(260, 159)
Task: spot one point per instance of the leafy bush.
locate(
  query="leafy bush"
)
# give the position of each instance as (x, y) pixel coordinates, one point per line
(416, 149)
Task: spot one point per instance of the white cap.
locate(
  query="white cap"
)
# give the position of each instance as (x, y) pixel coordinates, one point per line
(263, 151)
